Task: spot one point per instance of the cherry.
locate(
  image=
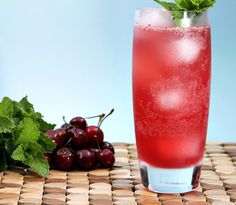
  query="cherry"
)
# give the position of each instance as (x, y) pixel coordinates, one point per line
(58, 136)
(106, 158)
(78, 137)
(96, 151)
(79, 122)
(95, 135)
(66, 126)
(108, 145)
(49, 157)
(80, 145)
(86, 159)
(64, 159)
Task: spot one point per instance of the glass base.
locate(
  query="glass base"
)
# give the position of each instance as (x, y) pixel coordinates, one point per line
(170, 180)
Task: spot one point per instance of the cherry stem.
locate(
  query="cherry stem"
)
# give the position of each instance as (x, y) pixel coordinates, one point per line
(69, 140)
(64, 119)
(102, 119)
(100, 116)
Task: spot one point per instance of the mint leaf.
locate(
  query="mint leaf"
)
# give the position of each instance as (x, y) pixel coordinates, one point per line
(6, 125)
(22, 109)
(22, 136)
(19, 153)
(38, 163)
(186, 5)
(47, 144)
(43, 125)
(195, 6)
(197, 2)
(31, 155)
(168, 5)
(205, 4)
(9, 143)
(26, 106)
(29, 133)
(6, 108)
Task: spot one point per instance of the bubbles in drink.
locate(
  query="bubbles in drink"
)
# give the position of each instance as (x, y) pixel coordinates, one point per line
(155, 17)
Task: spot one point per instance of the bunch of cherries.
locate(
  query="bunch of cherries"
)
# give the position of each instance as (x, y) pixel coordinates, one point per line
(80, 146)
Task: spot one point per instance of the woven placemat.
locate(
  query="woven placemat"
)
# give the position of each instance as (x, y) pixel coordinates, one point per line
(121, 185)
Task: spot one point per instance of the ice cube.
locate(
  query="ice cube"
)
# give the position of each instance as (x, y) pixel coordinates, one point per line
(156, 17)
(187, 50)
(171, 99)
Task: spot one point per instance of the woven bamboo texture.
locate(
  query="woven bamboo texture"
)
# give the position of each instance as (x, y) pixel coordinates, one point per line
(121, 185)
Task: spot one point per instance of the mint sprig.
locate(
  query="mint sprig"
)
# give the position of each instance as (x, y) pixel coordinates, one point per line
(195, 6)
(22, 139)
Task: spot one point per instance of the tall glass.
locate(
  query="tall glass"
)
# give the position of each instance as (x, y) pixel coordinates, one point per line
(171, 91)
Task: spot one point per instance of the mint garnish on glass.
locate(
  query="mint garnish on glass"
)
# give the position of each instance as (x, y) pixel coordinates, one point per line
(176, 8)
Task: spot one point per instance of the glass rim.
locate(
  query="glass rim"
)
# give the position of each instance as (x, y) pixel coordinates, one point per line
(185, 19)
(162, 8)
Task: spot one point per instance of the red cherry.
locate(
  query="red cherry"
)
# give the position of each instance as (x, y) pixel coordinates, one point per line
(85, 159)
(58, 136)
(96, 152)
(64, 159)
(106, 158)
(79, 122)
(48, 157)
(66, 126)
(95, 135)
(78, 137)
(108, 145)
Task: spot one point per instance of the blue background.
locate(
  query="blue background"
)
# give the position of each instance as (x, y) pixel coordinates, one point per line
(73, 57)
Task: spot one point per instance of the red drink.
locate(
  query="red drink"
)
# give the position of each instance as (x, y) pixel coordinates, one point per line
(171, 89)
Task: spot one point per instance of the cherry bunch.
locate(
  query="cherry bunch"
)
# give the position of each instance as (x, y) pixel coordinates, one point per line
(80, 146)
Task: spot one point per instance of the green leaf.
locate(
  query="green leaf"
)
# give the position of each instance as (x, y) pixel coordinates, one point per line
(34, 148)
(47, 144)
(194, 5)
(207, 4)
(23, 109)
(22, 137)
(197, 6)
(185, 5)
(38, 163)
(6, 125)
(168, 5)
(8, 143)
(197, 2)
(3, 163)
(29, 133)
(26, 105)
(32, 156)
(6, 108)
(19, 153)
(45, 126)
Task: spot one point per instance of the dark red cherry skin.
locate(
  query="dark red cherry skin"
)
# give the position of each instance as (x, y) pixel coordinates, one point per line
(64, 159)
(96, 151)
(95, 134)
(106, 158)
(49, 159)
(86, 159)
(66, 126)
(58, 136)
(108, 145)
(78, 137)
(79, 122)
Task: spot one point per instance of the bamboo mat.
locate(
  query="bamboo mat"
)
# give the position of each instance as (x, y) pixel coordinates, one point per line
(121, 185)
